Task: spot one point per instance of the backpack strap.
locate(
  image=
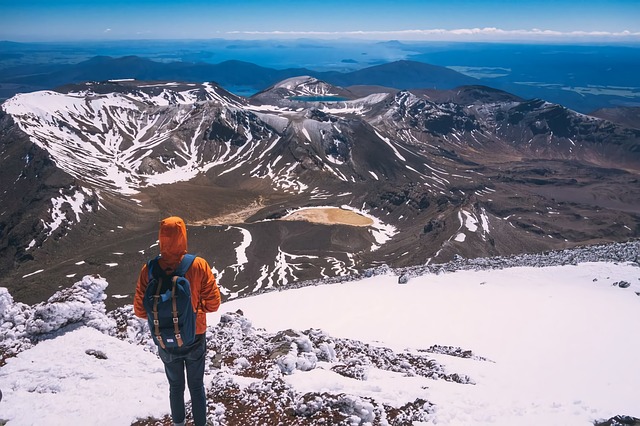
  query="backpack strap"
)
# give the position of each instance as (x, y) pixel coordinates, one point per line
(183, 267)
(156, 322)
(185, 264)
(176, 329)
(154, 269)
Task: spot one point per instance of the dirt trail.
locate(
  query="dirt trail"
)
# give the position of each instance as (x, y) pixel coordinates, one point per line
(234, 217)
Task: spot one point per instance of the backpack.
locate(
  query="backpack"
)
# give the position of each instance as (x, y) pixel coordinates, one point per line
(167, 300)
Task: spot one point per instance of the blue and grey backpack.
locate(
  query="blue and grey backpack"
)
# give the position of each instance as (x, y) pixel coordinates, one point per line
(167, 300)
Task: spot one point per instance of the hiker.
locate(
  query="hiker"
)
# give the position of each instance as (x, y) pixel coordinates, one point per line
(176, 354)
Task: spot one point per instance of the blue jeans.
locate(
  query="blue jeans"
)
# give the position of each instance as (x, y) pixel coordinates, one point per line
(175, 361)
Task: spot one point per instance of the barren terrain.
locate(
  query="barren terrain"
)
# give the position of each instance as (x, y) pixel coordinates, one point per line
(330, 216)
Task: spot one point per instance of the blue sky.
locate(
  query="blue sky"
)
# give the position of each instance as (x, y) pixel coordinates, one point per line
(62, 20)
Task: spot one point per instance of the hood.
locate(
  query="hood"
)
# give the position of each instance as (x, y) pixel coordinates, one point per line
(173, 241)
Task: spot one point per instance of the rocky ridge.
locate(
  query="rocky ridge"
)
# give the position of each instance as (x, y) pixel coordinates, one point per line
(474, 173)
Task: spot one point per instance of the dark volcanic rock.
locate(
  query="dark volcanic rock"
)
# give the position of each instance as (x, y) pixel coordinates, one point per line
(471, 172)
(621, 420)
(625, 116)
(30, 179)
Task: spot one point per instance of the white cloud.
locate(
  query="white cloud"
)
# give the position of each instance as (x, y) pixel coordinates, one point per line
(107, 30)
(489, 33)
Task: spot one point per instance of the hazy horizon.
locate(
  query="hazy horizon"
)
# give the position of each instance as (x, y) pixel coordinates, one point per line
(539, 21)
(619, 42)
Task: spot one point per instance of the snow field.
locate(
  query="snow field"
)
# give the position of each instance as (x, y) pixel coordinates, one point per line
(57, 383)
(551, 346)
(561, 339)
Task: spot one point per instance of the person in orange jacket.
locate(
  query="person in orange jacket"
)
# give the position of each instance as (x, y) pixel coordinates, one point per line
(205, 297)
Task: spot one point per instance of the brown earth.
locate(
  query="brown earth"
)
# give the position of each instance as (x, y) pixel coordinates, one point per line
(330, 216)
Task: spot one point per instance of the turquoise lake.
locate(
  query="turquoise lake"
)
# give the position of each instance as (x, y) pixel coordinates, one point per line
(318, 98)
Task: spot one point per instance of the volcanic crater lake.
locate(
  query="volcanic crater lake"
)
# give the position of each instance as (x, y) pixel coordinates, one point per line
(318, 98)
(330, 216)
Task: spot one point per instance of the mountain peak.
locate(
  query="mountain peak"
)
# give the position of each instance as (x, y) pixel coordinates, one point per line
(294, 82)
(301, 88)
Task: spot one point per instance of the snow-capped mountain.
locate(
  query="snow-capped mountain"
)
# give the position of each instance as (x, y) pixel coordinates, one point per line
(115, 138)
(430, 175)
(303, 87)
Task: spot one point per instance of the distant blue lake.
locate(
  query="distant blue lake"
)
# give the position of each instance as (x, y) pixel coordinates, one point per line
(318, 98)
(244, 91)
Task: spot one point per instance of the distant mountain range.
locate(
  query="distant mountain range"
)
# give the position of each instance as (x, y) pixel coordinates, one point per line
(583, 77)
(89, 170)
(229, 74)
(245, 78)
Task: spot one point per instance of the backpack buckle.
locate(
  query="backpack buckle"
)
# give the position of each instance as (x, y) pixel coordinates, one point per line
(175, 320)
(156, 322)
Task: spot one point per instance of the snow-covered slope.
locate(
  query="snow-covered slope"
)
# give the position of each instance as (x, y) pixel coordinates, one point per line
(549, 359)
(286, 92)
(549, 345)
(472, 173)
(116, 140)
(123, 136)
(307, 86)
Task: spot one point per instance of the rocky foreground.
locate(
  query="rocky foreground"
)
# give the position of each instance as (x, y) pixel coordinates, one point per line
(248, 365)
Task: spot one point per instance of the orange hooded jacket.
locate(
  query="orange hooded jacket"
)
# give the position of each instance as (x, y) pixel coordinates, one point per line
(205, 295)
